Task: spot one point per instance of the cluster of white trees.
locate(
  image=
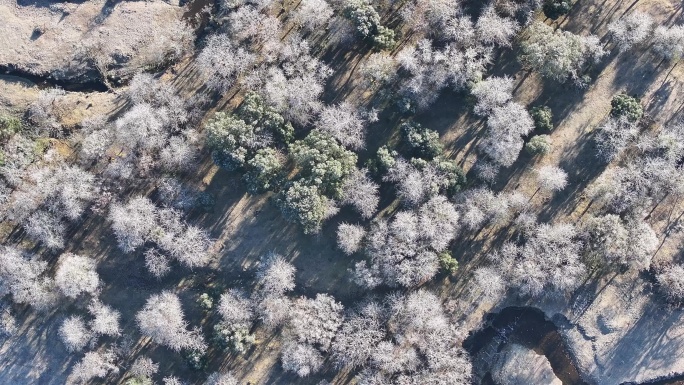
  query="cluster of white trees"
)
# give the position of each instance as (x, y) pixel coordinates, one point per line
(638, 29)
(548, 260)
(403, 251)
(507, 121)
(140, 222)
(405, 339)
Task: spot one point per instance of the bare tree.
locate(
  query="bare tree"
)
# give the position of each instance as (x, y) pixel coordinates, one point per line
(359, 190)
(631, 30)
(494, 29)
(105, 319)
(301, 358)
(491, 93)
(74, 333)
(312, 14)
(551, 178)
(22, 276)
(671, 282)
(222, 61)
(343, 123)
(218, 378)
(162, 320)
(275, 275)
(93, 365)
(349, 237)
(76, 275)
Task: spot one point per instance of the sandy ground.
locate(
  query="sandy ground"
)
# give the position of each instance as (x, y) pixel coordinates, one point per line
(69, 40)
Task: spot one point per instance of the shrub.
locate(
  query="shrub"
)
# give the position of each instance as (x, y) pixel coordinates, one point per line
(448, 263)
(627, 106)
(539, 145)
(304, 205)
(9, 125)
(553, 9)
(543, 118)
(323, 161)
(423, 142)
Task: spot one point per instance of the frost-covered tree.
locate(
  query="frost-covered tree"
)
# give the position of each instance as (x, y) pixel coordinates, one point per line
(631, 30)
(222, 60)
(506, 125)
(611, 239)
(361, 192)
(669, 42)
(548, 261)
(22, 276)
(613, 136)
(481, 206)
(163, 321)
(312, 14)
(558, 54)
(343, 123)
(491, 93)
(302, 359)
(76, 275)
(404, 252)
(349, 237)
(74, 333)
(494, 29)
(105, 319)
(133, 222)
(143, 367)
(358, 336)
(217, 378)
(418, 346)
(94, 365)
(275, 276)
(671, 282)
(315, 321)
(551, 178)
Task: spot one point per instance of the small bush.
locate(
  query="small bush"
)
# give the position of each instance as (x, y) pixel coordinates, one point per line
(627, 106)
(448, 263)
(539, 145)
(424, 143)
(9, 125)
(543, 118)
(553, 9)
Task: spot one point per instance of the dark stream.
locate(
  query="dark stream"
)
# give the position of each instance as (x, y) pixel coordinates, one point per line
(530, 328)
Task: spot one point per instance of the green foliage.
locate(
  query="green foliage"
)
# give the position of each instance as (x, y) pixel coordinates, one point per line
(195, 359)
(230, 139)
(367, 22)
(9, 125)
(255, 112)
(384, 38)
(627, 106)
(138, 380)
(539, 145)
(448, 263)
(303, 204)
(456, 177)
(323, 161)
(558, 54)
(386, 158)
(205, 301)
(364, 16)
(543, 118)
(423, 142)
(553, 9)
(265, 171)
(236, 338)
